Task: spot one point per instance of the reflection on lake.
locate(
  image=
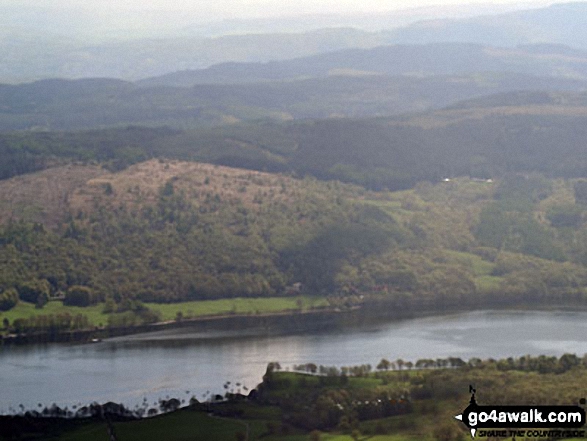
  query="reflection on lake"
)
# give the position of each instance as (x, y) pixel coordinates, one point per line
(127, 369)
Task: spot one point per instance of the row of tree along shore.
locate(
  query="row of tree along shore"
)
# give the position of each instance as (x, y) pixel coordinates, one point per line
(275, 322)
(311, 320)
(352, 399)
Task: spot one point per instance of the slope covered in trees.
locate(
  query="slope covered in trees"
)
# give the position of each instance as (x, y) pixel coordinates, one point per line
(487, 137)
(163, 231)
(168, 231)
(95, 103)
(101, 223)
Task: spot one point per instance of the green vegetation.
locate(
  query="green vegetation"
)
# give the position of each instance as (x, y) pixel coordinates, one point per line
(394, 153)
(130, 234)
(98, 103)
(205, 240)
(391, 404)
(8, 299)
(140, 219)
(237, 306)
(99, 315)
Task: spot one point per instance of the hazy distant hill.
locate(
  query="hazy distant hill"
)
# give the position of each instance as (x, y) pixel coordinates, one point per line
(559, 23)
(42, 43)
(525, 98)
(96, 24)
(417, 60)
(28, 56)
(92, 103)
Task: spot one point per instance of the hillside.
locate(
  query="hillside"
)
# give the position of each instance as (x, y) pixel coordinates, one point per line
(403, 59)
(561, 24)
(79, 46)
(32, 55)
(486, 137)
(43, 197)
(43, 41)
(94, 103)
(110, 217)
(167, 231)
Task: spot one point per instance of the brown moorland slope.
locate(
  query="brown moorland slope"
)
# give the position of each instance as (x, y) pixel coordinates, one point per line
(43, 197)
(51, 196)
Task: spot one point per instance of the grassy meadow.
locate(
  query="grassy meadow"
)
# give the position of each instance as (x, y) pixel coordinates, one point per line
(168, 312)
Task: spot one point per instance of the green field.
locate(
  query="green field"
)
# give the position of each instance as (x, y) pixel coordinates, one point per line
(186, 425)
(238, 306)
(26, 310)
(169, 311)
(177, 426)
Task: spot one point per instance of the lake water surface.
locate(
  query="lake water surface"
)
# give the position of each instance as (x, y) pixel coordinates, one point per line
(129, 369)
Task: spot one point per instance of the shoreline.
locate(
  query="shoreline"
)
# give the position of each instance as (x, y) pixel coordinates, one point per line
(87, 335)
(297, 321)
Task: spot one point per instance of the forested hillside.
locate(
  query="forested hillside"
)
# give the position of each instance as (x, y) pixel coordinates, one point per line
(166, 231)
(485, 138)
(481, 203)
(96, 103)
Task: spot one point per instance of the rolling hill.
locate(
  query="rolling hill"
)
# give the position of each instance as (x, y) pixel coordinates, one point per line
(561, 24)
(94, 103)
(169, 231)
(485, 137)
(40, 43)
(29, 56)
(404, 59)
(128, 214)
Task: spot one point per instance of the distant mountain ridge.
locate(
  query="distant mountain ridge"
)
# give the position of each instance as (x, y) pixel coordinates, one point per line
(36, 52)
(562, 23)
(417, 60)
(37, 57)
(92, 103)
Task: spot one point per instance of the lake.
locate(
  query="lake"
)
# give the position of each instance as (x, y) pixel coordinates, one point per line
(171, 363)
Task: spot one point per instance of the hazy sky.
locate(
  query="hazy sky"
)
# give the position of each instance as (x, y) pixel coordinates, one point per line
(221, 9)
